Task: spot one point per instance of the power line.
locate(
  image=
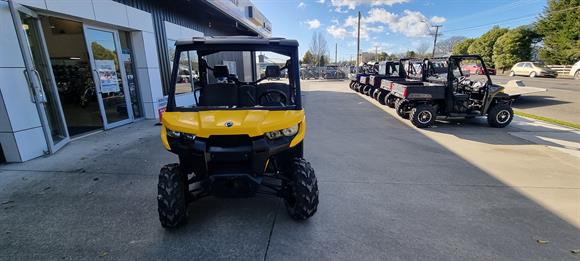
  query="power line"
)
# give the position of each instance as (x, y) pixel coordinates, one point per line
(507, 20)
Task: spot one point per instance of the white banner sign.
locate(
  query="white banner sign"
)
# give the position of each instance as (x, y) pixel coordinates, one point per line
(107, 76)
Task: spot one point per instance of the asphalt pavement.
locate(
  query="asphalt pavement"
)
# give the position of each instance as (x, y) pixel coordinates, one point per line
(387, 192)
(561, 101)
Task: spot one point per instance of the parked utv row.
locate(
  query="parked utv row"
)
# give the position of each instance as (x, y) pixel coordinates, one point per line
(439, 88)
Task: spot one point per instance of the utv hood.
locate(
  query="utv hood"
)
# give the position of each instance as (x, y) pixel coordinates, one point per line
(231, 122)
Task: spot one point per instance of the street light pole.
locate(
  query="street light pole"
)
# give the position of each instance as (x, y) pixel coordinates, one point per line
(358, 43)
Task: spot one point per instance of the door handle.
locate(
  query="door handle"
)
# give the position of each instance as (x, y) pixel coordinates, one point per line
(32, 96)
(97, 81)
(40, 90)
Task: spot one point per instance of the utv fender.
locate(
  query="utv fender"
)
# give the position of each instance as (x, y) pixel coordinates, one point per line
(499, 98)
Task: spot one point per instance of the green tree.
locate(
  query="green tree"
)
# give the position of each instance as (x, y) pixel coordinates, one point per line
(410, 54)
(323, 60)
(462, 46)
(513, 47)
(560, 26)
(484, 44)
(308, 58)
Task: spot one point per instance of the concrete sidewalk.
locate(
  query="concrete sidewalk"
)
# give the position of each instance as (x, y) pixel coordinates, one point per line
(387, 192)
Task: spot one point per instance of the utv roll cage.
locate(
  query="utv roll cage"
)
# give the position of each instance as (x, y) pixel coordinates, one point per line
(210, 45)
(454, 62)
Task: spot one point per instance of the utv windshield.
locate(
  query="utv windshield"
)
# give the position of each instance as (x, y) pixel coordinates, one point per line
(413, 69)
(389, 69)
(222, 80)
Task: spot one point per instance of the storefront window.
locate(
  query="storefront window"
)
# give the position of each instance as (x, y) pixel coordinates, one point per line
(127, 59)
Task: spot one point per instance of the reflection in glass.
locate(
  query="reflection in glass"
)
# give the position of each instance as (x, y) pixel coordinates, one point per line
(127, 58)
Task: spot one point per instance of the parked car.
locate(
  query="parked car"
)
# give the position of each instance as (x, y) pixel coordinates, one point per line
(477, 69)
(575, 71)
(532, 69)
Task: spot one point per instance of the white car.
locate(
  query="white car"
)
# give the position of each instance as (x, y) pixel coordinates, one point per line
(575, 71)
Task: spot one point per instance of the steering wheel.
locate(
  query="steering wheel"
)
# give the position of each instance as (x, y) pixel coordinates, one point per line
(268, 95)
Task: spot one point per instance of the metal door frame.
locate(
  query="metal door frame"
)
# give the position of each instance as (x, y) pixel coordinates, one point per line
(106, 124)
(38, 96)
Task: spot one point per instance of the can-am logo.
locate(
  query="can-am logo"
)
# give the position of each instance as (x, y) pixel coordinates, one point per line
(229, 124)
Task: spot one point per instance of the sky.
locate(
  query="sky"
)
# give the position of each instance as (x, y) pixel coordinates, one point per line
(392, 26)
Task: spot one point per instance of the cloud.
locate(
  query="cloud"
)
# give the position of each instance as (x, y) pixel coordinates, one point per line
(409, 23)
(335, 21)
(438, 19)
(352, 4)
(313, 24)
(320, 1)
(301, 5)
(337, 32)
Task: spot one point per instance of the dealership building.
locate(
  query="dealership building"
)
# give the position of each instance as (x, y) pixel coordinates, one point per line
(73, 67)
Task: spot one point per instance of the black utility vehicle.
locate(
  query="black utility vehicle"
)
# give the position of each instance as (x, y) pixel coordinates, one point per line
(362, 78)
(412, 75)
(452, 93)
(393, 70)
(385, 70)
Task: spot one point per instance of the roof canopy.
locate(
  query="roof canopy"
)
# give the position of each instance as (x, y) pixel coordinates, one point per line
(235, 40)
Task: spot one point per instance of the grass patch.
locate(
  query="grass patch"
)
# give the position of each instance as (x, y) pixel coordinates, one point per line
(549, 120)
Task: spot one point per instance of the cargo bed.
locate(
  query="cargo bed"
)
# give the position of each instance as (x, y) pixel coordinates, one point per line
(419, 91)
(516, 88)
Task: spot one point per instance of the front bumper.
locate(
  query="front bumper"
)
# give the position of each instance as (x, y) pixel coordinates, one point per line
(547, 74)
(228, 154)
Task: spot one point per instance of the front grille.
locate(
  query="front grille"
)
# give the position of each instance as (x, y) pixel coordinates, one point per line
(229, 141)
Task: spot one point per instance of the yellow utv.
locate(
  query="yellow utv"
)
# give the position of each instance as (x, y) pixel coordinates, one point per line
(236, 125)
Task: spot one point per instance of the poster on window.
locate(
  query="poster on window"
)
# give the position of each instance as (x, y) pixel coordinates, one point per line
(107, 76)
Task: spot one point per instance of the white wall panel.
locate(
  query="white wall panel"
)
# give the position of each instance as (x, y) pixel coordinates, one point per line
(144, 84)
(188, 33)
(150, 47)
(155, 81)
(31, 143)
(21, 110)
(10, 55)
(140, 20)
(41, 4)
(151, 91)
(78, 8)
(111, 12)
(172, 31)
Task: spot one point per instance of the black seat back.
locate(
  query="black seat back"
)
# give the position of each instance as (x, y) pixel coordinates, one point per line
(220, 71)
(273, 71)
(247, 96)
(219, 94)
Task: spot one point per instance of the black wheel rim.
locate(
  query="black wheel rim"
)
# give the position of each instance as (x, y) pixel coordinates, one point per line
(424, 117)
(502, 116)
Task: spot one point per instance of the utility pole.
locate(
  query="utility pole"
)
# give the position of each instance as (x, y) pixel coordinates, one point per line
(435, 40)
(376, 53)
(358, 43)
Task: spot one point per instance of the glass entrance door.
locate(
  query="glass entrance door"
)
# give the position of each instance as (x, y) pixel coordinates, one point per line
(38, 72)
(110, 82)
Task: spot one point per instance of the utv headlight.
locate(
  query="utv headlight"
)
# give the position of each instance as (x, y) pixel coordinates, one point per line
(177, 134)
(288, 132)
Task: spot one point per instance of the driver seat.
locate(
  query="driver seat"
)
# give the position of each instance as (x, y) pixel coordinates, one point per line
(219, 94)
(273, 71)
